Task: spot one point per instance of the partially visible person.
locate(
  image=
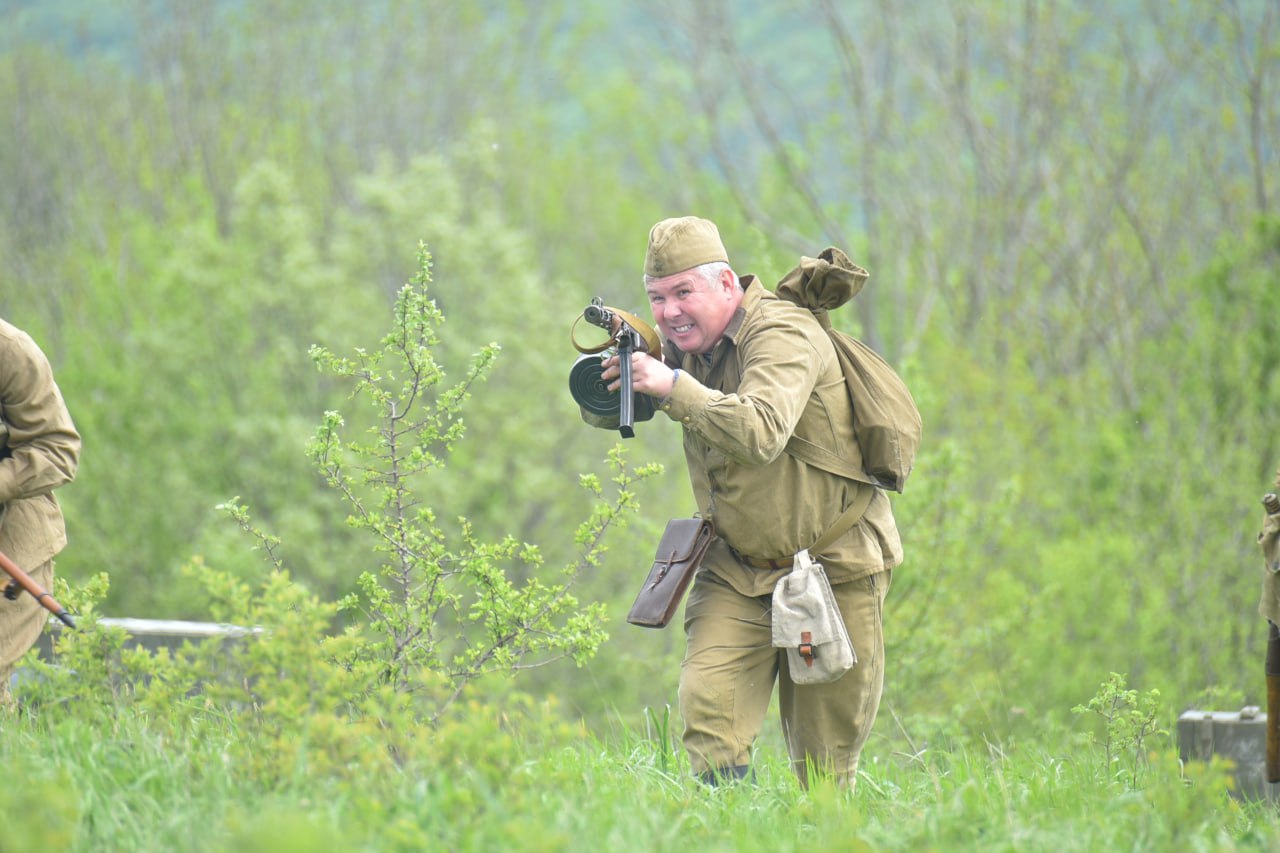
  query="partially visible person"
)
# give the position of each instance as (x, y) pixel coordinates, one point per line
(1269, 542)
(39, 451)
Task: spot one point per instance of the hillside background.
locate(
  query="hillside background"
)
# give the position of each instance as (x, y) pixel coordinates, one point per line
(1069, 213)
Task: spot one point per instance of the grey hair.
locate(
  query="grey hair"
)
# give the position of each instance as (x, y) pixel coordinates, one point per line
(710, 271)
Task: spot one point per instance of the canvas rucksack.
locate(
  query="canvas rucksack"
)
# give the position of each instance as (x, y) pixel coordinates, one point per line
(886, 422)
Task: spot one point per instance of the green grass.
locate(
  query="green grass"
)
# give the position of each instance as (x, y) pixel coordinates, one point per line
(125, 781)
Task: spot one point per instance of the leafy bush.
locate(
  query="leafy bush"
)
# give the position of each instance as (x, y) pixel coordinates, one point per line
(1129, 720)
(436, 612)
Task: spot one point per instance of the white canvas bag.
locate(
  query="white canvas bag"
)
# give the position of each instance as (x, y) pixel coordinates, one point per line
(807, 623)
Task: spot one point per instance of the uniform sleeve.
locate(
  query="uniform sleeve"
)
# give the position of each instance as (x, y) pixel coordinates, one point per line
(781, 362)
(43, 445)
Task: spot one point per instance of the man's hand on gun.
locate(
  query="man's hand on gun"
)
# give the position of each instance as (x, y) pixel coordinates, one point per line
(648, 375)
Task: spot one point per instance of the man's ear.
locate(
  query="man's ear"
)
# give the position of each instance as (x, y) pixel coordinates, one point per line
(726, 281)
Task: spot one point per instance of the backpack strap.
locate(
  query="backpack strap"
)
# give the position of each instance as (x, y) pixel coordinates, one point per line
(847, 519)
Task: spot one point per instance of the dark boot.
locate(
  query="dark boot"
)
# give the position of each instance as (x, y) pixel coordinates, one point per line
(727, 775)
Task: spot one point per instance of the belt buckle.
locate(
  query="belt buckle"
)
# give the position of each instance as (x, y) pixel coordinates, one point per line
(763, 563)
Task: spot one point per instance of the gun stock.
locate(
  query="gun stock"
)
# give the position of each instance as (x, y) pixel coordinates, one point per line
(1273, 703)
(24, 580)
(1271, 503)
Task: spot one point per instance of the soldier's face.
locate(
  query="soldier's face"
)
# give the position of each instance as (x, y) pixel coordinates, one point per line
(691, 312)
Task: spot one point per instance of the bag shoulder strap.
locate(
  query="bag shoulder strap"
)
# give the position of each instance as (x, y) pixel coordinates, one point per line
(847, 519)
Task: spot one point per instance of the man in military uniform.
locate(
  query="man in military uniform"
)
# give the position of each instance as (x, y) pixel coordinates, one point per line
(743, 371)
(40, 452)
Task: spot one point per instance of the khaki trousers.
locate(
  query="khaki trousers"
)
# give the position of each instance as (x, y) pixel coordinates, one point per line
(730, 665)
(21, 622)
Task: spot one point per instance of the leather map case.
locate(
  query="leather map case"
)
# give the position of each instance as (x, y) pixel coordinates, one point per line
(683, 545)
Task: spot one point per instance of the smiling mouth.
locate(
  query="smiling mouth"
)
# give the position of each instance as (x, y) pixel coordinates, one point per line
(680, 330)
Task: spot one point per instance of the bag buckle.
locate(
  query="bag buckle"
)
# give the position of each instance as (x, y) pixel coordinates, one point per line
(666, 568)
(806, 649)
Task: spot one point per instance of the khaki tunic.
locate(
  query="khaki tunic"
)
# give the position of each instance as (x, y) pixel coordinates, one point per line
(42, 453)
(766, 503)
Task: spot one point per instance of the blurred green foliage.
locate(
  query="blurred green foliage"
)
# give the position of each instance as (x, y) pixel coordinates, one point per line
(1068, 211)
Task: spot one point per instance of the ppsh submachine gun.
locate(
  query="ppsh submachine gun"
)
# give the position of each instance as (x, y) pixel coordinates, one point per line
(627, 334)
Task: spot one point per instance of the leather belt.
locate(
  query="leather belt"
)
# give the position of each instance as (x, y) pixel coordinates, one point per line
(761, 563)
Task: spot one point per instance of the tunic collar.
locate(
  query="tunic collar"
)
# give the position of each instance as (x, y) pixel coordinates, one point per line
(753, 293)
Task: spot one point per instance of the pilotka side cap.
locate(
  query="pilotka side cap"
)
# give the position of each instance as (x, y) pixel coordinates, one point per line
(682, 243)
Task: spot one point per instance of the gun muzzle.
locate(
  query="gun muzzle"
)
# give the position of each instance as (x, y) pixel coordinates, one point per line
(598, 315)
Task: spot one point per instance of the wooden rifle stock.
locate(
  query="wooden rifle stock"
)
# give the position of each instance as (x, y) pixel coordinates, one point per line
(24, 580)
(1273, 703)
(1272, 505)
